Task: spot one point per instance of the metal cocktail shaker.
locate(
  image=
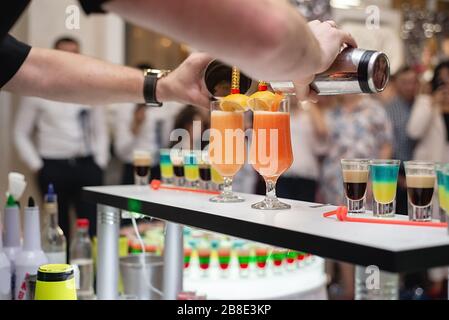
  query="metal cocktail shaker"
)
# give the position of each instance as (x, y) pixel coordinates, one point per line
(353, 71)
(218, 78)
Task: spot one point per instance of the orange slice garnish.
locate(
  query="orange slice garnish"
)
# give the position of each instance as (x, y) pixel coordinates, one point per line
(276, 102)
(265, 101)
(260, 100)
(234, 102)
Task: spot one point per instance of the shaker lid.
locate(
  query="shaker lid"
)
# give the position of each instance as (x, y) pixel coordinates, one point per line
(373, 71)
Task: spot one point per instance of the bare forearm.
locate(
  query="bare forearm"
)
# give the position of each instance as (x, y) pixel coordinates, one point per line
(268, 39)
(67, 77)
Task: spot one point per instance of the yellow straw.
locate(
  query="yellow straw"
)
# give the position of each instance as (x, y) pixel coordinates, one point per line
(235, 84)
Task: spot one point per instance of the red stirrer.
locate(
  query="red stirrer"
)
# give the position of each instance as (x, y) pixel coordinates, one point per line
(342, 215)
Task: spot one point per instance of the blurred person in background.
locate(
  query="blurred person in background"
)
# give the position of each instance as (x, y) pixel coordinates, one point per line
(358, 127)
(429, 59)
(138, 127)
(186, 119)
(429, 120)
(71, 149)
(399, 109)
(389, 94)
(308, 128)
(444, 55)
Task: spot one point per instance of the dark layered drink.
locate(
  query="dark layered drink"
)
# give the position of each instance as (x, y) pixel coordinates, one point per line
(142, 163)
(205, 170)
(355, 182)
(420, 190)
(177, 160)
(421, 179)
(355, 178)
(178, 170)
(205, 174)
(141, 169)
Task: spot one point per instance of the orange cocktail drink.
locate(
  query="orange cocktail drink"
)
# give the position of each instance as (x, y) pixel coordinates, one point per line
(227, 145)
(271, 149)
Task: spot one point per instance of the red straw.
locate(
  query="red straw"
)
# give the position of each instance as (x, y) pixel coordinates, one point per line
(342, 215)
(157, 185)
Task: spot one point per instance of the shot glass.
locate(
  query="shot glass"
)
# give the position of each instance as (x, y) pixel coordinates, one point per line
(204, 260)
(205, 170)
(187, 256)
(217, 180)
(355, 179)
(191, 169)
(291, 257)
(243, 257)
(262, 253)
(177, 159)
(384, 176)
(278, 256)
(302, 259)
(439, 169)
(421, 178)
(142, 163)
(224, 259)
(166, 165)
(446, 191)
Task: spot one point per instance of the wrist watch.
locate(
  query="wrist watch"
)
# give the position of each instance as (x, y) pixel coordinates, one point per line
(149, 86)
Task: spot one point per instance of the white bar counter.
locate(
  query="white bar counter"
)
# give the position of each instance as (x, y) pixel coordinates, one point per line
(390, 247)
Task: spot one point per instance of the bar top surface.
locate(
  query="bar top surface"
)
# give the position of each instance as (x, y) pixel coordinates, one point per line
(390, 247)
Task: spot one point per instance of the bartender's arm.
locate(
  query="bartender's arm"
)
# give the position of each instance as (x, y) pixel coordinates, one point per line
(268, 39)
(63, 76)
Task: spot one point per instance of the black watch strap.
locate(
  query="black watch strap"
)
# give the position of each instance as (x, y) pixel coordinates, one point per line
(93, 6)
(149, 90)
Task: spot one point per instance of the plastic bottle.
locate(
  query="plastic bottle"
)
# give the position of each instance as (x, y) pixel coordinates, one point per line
(54, 242)
(11, 236)
(31, 257)
(81, 257)
(5, 274)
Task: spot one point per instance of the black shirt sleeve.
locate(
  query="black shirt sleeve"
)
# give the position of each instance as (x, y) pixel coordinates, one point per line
(93, 6)
(12, 55)
(10, 11)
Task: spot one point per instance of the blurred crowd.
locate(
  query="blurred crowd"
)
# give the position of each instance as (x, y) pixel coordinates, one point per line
(71, 146)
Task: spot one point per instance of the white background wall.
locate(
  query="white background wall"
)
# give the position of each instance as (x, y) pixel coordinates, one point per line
(101, 36)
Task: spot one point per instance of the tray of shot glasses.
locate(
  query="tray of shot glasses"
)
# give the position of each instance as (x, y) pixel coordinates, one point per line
(427, 184)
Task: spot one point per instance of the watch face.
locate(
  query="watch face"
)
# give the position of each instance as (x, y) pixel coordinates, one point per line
(158, 73)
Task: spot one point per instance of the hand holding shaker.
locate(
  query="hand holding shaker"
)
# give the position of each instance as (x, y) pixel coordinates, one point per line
(353, 71)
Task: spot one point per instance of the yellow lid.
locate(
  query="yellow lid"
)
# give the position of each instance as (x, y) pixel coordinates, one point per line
(55, 268)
